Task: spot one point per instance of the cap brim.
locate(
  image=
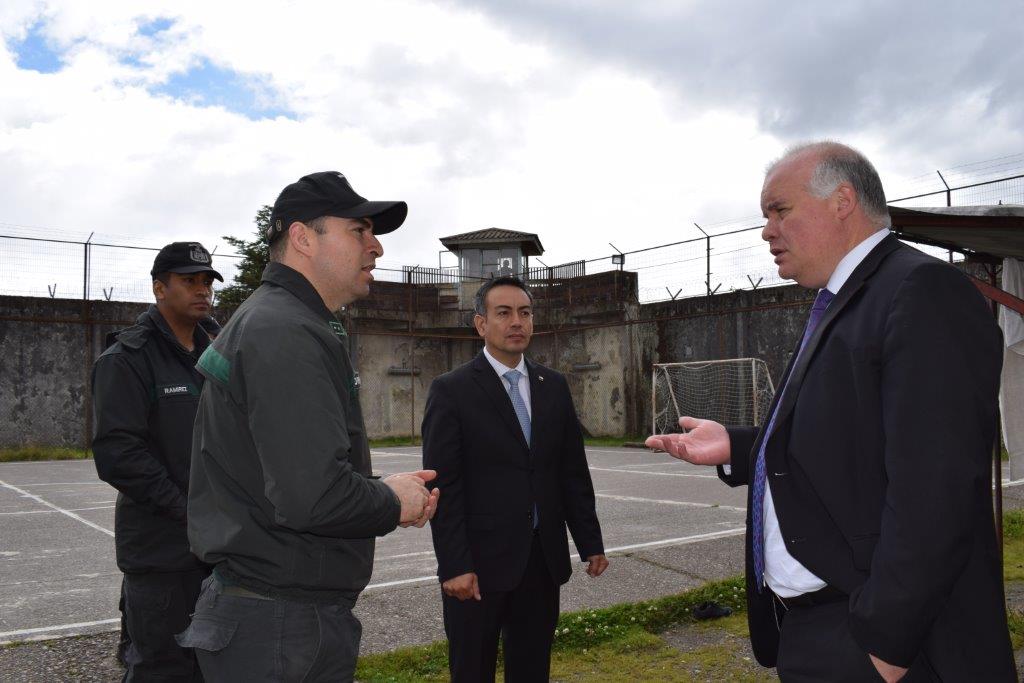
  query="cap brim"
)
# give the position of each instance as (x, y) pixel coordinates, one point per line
(185, 270)
(387, 216)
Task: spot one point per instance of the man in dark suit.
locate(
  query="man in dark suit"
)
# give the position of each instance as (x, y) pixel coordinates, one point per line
(503, 436)
(871, 549)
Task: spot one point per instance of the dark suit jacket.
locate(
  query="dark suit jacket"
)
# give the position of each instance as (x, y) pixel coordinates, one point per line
(879, 467)
(490, 477)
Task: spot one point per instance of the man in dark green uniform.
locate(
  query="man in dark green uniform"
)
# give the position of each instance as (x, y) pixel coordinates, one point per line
(145, 393)
(282, 500)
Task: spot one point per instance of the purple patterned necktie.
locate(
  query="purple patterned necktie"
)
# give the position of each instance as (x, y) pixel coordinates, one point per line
(821, 302)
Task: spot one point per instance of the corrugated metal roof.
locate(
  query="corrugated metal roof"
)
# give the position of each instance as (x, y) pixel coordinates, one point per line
(995, 231)
(528, 241)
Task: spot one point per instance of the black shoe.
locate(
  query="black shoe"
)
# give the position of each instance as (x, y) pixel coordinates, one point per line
(710, 610)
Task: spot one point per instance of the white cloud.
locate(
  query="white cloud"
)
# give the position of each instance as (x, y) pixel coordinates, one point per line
(473, 119)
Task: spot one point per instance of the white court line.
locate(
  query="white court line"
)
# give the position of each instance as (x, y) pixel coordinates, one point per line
(1007, 483)
(682, 540)
(61, 510)
(395, 557)
(50, 512)
(655, 474)
(402, 582)
(384, 454)
(684, 503)
(62, 627)
(68, 483)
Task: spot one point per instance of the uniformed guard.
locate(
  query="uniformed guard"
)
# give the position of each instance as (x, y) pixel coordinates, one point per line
(145, 393)
(282, 499)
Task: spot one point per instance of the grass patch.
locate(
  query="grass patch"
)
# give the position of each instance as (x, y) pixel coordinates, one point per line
(615, 441)
(580, 630)
(641, 656)
(406, 665)
(1016, 623)
(735, 624)
(634, 656)
(604, 640)
(719, 663)
(1013, 568)
(34, 453)
(396, 441)
(1013, 545)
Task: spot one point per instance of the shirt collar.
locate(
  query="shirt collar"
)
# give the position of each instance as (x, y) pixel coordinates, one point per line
(295, 282)
(501, 368)
(852, 259)
(200, 338)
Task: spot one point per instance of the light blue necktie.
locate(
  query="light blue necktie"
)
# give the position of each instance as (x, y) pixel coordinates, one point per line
(519, 405)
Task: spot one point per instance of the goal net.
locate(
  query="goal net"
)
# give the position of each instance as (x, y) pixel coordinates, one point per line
(737, 391)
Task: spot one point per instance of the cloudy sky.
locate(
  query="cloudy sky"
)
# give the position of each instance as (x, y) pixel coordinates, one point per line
(585, 121)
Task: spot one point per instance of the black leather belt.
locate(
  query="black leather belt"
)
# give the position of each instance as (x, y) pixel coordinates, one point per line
(825, 596)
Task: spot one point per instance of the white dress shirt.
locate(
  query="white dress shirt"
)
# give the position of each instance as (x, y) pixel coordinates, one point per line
(524, 381)
(782, 572)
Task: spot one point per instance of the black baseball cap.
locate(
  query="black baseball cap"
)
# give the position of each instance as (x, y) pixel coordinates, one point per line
(328, 193)
(184, 258)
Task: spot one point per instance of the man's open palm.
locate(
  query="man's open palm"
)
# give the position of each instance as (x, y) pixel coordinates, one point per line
(705, 442)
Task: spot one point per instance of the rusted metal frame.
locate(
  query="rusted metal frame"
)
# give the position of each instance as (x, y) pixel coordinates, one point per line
(997, 295)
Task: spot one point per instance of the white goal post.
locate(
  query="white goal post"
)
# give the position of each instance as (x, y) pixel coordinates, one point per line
(735, 391)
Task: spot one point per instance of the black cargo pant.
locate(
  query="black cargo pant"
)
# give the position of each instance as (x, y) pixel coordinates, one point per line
(157, 605)
(241, 636)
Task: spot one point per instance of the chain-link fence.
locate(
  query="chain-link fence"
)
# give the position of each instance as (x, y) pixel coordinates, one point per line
(600, 323)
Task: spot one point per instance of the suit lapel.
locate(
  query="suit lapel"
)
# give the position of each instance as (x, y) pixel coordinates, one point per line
(541, 402)
(493, 387)
(857, 278)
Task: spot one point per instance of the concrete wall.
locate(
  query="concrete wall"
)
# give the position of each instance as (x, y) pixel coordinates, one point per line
(47, 347)
(599, 391)
(393, 404)
(763, 324)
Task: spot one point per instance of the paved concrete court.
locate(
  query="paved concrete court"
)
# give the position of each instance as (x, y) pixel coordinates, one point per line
(668, 526)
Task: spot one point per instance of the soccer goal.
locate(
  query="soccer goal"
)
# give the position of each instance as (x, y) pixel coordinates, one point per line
(736, 391)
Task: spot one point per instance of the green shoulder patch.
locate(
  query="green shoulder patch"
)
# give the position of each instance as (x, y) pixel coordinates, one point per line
(215, 365)
(338, 328)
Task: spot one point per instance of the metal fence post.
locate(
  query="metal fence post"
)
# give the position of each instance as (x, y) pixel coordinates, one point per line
(89, 351)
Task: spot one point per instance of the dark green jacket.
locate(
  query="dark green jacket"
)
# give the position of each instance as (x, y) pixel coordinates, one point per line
(145, 391)
(281, 498)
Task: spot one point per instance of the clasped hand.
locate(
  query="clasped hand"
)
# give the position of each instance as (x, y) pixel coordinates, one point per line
(418, 503)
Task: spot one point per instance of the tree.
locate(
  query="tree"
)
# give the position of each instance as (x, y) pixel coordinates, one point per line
(255, 256)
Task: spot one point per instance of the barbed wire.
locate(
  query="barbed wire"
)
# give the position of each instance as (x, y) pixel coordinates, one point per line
(74, 264)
